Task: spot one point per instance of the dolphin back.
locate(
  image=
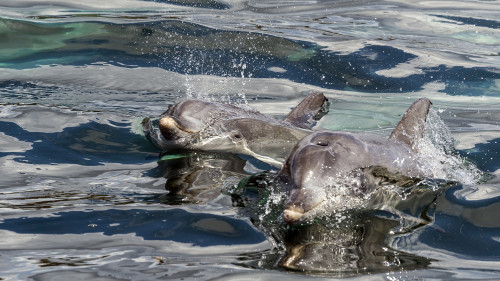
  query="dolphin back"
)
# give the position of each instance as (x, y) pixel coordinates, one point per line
(308, 111)
(265, 139)
(411, 127)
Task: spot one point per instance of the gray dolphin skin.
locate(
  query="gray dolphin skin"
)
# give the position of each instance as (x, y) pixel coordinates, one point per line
(209, 126)
(325, 160)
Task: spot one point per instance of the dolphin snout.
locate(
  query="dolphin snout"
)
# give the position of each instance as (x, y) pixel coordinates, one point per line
(171, 129)
(303, 201)
(292, 214)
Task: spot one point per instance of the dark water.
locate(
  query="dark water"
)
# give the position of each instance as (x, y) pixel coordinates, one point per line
(83, 195)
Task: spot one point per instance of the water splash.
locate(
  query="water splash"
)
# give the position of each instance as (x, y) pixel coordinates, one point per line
(261, 197)
(436, 149)
(191, 92)
(222, 90)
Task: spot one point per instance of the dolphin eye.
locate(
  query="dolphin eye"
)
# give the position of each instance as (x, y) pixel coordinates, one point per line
(322, 143)
(237, 136)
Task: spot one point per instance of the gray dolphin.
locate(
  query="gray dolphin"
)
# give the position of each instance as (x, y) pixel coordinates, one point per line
(326, 162)
(208, 126)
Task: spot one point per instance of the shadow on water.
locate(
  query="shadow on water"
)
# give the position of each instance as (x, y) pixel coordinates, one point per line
(188, 48)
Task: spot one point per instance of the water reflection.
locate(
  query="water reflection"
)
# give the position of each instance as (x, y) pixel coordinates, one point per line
(192, 49)
(473, 21)
(131, 57)
(354, 246)
(207, 4)
(197, 177)
(59, 137)
(463, 224)
(348, 242)
(486, 155)
(173, 224)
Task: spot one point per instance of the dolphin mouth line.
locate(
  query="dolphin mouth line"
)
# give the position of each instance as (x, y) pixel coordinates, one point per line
(296, 214)
(292, 215)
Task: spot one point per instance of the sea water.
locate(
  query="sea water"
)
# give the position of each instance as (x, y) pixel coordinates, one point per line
(83, 195)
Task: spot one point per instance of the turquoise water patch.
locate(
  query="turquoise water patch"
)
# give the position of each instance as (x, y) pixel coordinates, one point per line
(192, 49)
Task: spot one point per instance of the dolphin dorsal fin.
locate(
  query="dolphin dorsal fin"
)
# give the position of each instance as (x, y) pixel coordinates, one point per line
(411, 127)
(308, 111)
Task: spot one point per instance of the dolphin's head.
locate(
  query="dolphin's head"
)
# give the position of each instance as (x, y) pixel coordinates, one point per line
(191, 122)
(313, 170)
(189, 117)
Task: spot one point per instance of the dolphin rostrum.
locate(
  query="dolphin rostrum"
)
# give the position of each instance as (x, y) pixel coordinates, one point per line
(330, 162)
(209, 126)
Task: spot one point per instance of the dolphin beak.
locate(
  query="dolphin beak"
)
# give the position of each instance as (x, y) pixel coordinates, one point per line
(302, 201)
(171, 129)
(292, 214)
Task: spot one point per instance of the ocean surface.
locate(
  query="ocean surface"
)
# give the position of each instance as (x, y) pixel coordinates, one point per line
(85, 196)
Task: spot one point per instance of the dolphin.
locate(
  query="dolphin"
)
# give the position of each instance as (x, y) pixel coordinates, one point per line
(342, 163)
(208, 126)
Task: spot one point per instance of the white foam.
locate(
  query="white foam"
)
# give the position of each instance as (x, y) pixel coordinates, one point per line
(436, 151)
